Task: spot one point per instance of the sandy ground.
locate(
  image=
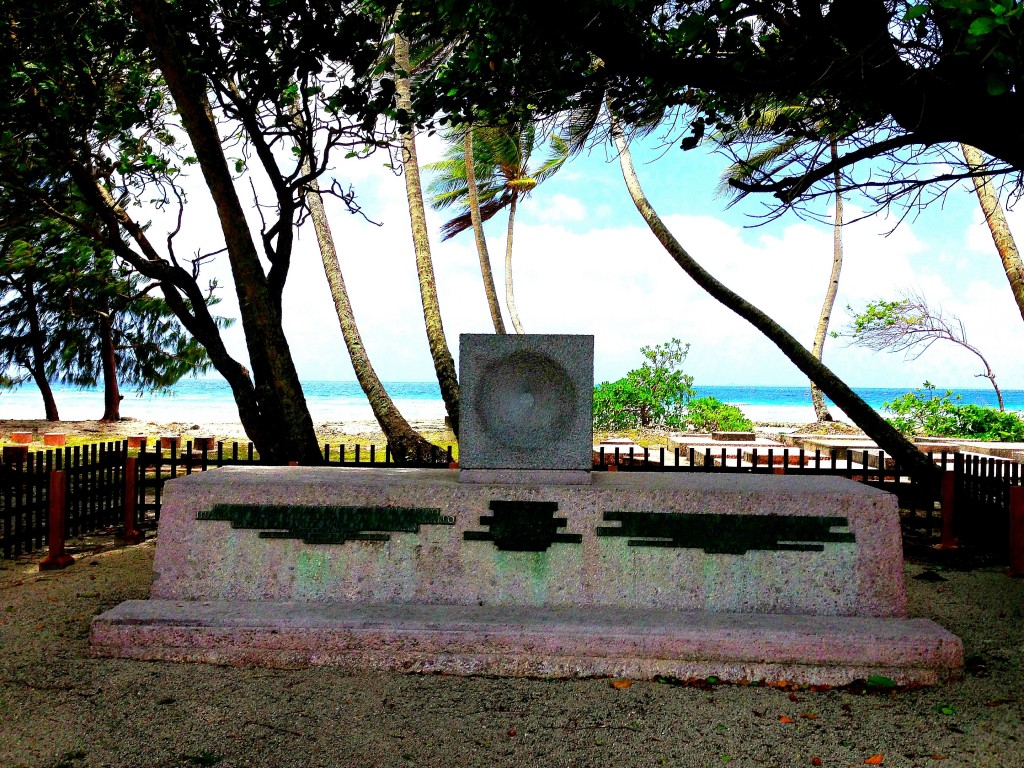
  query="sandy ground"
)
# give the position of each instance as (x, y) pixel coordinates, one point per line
(60, 707)
(224, 430)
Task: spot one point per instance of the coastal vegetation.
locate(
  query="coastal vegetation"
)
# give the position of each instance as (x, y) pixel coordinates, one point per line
(659, 395)
(72, 314)
(709, 414)
(925, 412)
(910, 325)
(653, 395)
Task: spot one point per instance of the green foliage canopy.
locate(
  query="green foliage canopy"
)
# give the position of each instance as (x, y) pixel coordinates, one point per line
(653, 395)
(902, 75)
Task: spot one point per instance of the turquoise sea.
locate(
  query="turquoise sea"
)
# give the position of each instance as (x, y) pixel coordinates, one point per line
(210, 400)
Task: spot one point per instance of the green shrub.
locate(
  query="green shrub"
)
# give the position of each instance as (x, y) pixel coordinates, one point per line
(922, 412)
(709, 414)
(654, 395)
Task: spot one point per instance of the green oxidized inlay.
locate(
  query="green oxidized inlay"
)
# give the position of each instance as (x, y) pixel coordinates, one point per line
(540, 574)
(523, 526)
(727, 534)
(326, 525)
(312, 567)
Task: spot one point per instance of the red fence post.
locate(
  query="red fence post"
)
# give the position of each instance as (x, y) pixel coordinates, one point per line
(947, 502)
(130, 534)
(57, 557)
(1016, 530)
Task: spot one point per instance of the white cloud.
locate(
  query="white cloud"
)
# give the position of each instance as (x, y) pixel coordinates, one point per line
(613, 279)
(555, 209)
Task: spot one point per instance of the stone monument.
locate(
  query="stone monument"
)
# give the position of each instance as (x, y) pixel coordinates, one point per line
(524, 562)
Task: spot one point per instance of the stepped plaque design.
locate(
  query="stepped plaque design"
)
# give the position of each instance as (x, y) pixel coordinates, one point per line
(326, 525)
(727, 534)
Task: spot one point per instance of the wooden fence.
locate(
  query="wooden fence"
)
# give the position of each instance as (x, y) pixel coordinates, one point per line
(986, 497)
(166, 461)
(94, 478)
(977, 506)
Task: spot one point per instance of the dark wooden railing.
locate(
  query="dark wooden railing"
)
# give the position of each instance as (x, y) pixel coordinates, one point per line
(94, 493)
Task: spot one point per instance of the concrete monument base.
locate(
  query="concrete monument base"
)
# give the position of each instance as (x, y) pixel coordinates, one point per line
(744, 577)
(542, 642)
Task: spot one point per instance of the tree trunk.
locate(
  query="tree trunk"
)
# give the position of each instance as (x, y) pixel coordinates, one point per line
(111, 391)
(49, 403)
(821, 411)
(285, 430)
(405, 443)
(862, 414)
(510, 298)
(481, 241)
(997, 225)
(444, 365)
(37, 365)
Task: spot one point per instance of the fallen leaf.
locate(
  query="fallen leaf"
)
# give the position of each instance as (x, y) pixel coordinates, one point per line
(880, 681)
(815, 761)
(875, 760)
(621, 684)
(784, 719)
(511, 731)
(808, 716)
(40, 626)
(793, 697)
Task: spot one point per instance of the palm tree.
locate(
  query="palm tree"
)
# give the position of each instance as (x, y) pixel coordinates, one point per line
(862, 414)
(444, 364)
(492, 164)
(997, 225)
(758, 163)
(404, 441)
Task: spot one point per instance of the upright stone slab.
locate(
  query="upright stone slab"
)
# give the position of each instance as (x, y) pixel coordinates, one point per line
(526, 407)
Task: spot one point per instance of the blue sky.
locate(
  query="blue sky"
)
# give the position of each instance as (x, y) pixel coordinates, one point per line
(584, 262)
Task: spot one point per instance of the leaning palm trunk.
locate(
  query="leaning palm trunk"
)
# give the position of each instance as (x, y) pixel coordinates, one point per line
(405, 443)
(997, 225)
(510, 297)
(444, 365)
(481, 240)
(821, 411)
(862, 414)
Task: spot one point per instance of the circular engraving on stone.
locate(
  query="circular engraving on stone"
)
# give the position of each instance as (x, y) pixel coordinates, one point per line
(524, 400)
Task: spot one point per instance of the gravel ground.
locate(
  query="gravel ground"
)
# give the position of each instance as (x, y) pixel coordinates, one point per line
(59, 707)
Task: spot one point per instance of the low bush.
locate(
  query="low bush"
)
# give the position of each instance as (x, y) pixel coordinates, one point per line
(709, 414)
(923, 412)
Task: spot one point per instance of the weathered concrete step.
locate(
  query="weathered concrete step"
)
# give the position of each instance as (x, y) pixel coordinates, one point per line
(521, 641)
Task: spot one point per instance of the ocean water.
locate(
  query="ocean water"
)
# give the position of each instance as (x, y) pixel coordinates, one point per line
(209, 400)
